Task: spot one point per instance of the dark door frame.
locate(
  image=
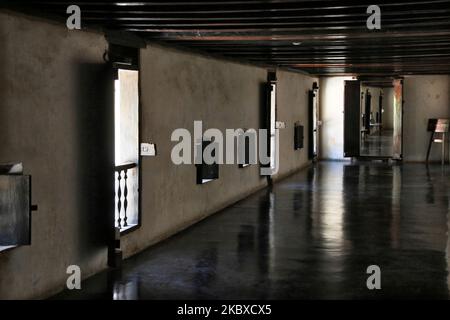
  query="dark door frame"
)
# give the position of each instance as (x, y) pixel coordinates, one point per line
(398, 138)
(116, 68)
(352, 115)
(312, 127)
(270, 85)
(127, 58)
(394, 156)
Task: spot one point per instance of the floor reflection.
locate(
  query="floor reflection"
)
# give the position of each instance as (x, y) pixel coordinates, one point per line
(378, 144)
(311, 236)
(127, 290)
(447, 251)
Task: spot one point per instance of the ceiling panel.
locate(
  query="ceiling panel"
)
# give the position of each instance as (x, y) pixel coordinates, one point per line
(320, 37)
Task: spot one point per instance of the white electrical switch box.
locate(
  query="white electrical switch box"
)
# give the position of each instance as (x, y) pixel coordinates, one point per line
(280, 125)
(148, 149)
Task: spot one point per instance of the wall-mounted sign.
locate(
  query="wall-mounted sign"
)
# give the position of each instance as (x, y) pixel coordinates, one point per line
(148, 149)
(280, 125)
(438, 125)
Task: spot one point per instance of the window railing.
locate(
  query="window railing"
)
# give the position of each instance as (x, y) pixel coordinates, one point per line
(121, 215)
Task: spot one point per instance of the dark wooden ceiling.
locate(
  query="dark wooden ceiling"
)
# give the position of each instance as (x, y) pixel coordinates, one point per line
(320, 37)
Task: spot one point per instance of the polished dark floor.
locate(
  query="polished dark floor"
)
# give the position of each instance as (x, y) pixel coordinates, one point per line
(311, 237)
(378, 144)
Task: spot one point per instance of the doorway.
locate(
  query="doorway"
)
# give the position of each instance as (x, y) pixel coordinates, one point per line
(126, 149)
(313, 116)
(377, 114)
(269, 122)
(379, 110)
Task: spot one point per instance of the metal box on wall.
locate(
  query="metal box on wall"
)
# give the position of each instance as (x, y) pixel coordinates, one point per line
(15, 210)
(298, 136)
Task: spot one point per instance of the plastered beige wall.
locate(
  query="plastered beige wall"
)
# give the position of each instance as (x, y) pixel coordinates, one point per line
(42, 96)
(48, 87)
(424, 97)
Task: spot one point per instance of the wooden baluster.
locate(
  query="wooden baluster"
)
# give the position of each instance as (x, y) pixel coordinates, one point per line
(119, 200)
(125, 201)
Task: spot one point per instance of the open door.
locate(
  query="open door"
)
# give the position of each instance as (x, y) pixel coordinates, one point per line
(398, 118)
(269, 120)
(312, 122)
(380, 110)
(367, 111)
(126, 115)
(124, 62)
(352, 131)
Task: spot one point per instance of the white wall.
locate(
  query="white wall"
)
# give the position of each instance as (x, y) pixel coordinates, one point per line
(424, 97)
(332, 117)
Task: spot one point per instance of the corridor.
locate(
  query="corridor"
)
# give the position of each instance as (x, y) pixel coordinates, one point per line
(379, 144)
(311, 237)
